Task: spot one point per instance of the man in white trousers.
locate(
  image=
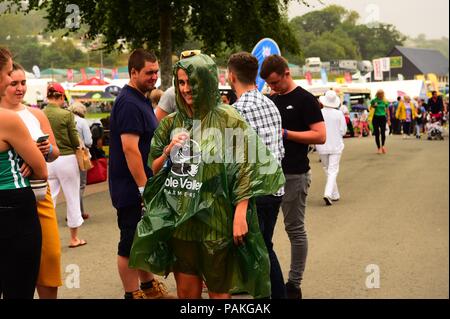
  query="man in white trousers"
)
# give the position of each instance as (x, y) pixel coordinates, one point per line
(330, 152)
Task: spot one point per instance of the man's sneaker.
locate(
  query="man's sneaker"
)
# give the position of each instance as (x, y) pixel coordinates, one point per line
(138, 294)
(292, 292)
(328, 201)
(157, 291)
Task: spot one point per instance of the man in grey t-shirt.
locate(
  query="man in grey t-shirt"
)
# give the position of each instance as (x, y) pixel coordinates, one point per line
(166, 104)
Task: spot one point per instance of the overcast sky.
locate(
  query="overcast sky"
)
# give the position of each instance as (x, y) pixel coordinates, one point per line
(411, 17)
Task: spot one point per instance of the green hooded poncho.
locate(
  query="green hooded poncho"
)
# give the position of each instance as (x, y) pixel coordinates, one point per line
(193, 198)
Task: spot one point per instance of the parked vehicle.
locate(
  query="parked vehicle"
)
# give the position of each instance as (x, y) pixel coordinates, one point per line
(313, 65)
(365, 66)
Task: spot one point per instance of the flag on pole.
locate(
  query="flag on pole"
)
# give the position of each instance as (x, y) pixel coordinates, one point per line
(115, 73)
(348, 77)
(385, 64)
(308, 77)
(324, 76)
(83, 74)
(377, 70)
(69, 74)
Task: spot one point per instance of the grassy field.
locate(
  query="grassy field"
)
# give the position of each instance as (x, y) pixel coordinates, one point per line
(94, 116)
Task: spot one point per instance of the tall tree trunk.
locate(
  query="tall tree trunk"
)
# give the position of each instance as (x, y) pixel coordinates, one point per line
(165, 22)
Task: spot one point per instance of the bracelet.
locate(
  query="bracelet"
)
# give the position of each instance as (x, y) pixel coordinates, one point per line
(50, 151)
(285, 134)
(165, 151)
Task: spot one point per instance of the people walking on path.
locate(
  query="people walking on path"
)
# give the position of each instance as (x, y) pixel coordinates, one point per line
(132, 126)
(330, 152)
(20, 229)
(380, 110)
(201, 221)
(38, 125)
(303, 124)
(64, 171)
(84, 132)
(263, 116)
(406, 114)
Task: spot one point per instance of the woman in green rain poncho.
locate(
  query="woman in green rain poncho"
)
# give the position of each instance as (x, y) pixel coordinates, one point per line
(200, 217)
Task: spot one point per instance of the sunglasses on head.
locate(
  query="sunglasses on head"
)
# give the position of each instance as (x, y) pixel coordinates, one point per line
(189, 53)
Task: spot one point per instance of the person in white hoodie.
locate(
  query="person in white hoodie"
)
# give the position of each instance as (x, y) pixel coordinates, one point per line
(330, 152)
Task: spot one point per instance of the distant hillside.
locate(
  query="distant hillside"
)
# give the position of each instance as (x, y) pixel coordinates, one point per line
(421, 41)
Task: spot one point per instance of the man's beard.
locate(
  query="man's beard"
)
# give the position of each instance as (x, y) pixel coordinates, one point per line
(145, 88)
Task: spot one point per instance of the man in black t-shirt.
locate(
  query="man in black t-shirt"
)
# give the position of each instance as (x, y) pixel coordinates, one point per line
(132, 125)
(435, 105)
(303, 124)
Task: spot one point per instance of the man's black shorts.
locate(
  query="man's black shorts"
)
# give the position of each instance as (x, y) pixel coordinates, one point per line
(127, 220)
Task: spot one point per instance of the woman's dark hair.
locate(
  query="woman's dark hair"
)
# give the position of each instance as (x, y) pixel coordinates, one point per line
(54, 91)
(5, 55)
(18, 67)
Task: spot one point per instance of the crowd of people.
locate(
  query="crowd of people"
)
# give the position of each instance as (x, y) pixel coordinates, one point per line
(405, 116)
(190, 198)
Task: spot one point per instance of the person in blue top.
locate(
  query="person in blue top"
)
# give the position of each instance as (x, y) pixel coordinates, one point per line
(132, 125)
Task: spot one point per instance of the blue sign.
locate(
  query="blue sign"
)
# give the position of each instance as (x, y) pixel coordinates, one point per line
(263, 49)
(324, 76)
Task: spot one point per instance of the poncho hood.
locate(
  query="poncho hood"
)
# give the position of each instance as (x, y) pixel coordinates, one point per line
(203, 79)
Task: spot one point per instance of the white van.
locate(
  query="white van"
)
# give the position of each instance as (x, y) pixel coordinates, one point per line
(313, 65)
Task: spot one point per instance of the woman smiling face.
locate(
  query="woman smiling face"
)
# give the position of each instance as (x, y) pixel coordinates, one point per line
(5, 78)
(17, 89)
(185, 87)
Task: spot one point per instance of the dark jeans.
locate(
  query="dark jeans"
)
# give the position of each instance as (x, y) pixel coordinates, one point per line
(268, 208)
(350, 127)
(379, 127)
(407, 128)
(396, 126)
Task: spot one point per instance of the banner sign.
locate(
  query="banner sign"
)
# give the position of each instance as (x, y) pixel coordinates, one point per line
(308, 77)
(377, 70)
(385, 64)
(396, 62)
(69, 75)
(348, 77)
(324, 76)
(263, 49)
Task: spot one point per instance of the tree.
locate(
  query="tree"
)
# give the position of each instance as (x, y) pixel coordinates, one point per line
(422, 42)
(333, 33)
(376, 42)
(321, 21)
(161, 24)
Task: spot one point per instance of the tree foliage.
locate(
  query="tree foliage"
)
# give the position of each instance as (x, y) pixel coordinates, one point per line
(333, 33)
(421, 41)
(162, 25)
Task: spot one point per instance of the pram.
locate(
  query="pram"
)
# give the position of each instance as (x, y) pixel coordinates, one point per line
(434, 130)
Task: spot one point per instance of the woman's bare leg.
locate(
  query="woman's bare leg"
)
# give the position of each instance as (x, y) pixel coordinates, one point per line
(188, 286)
(47, 292)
